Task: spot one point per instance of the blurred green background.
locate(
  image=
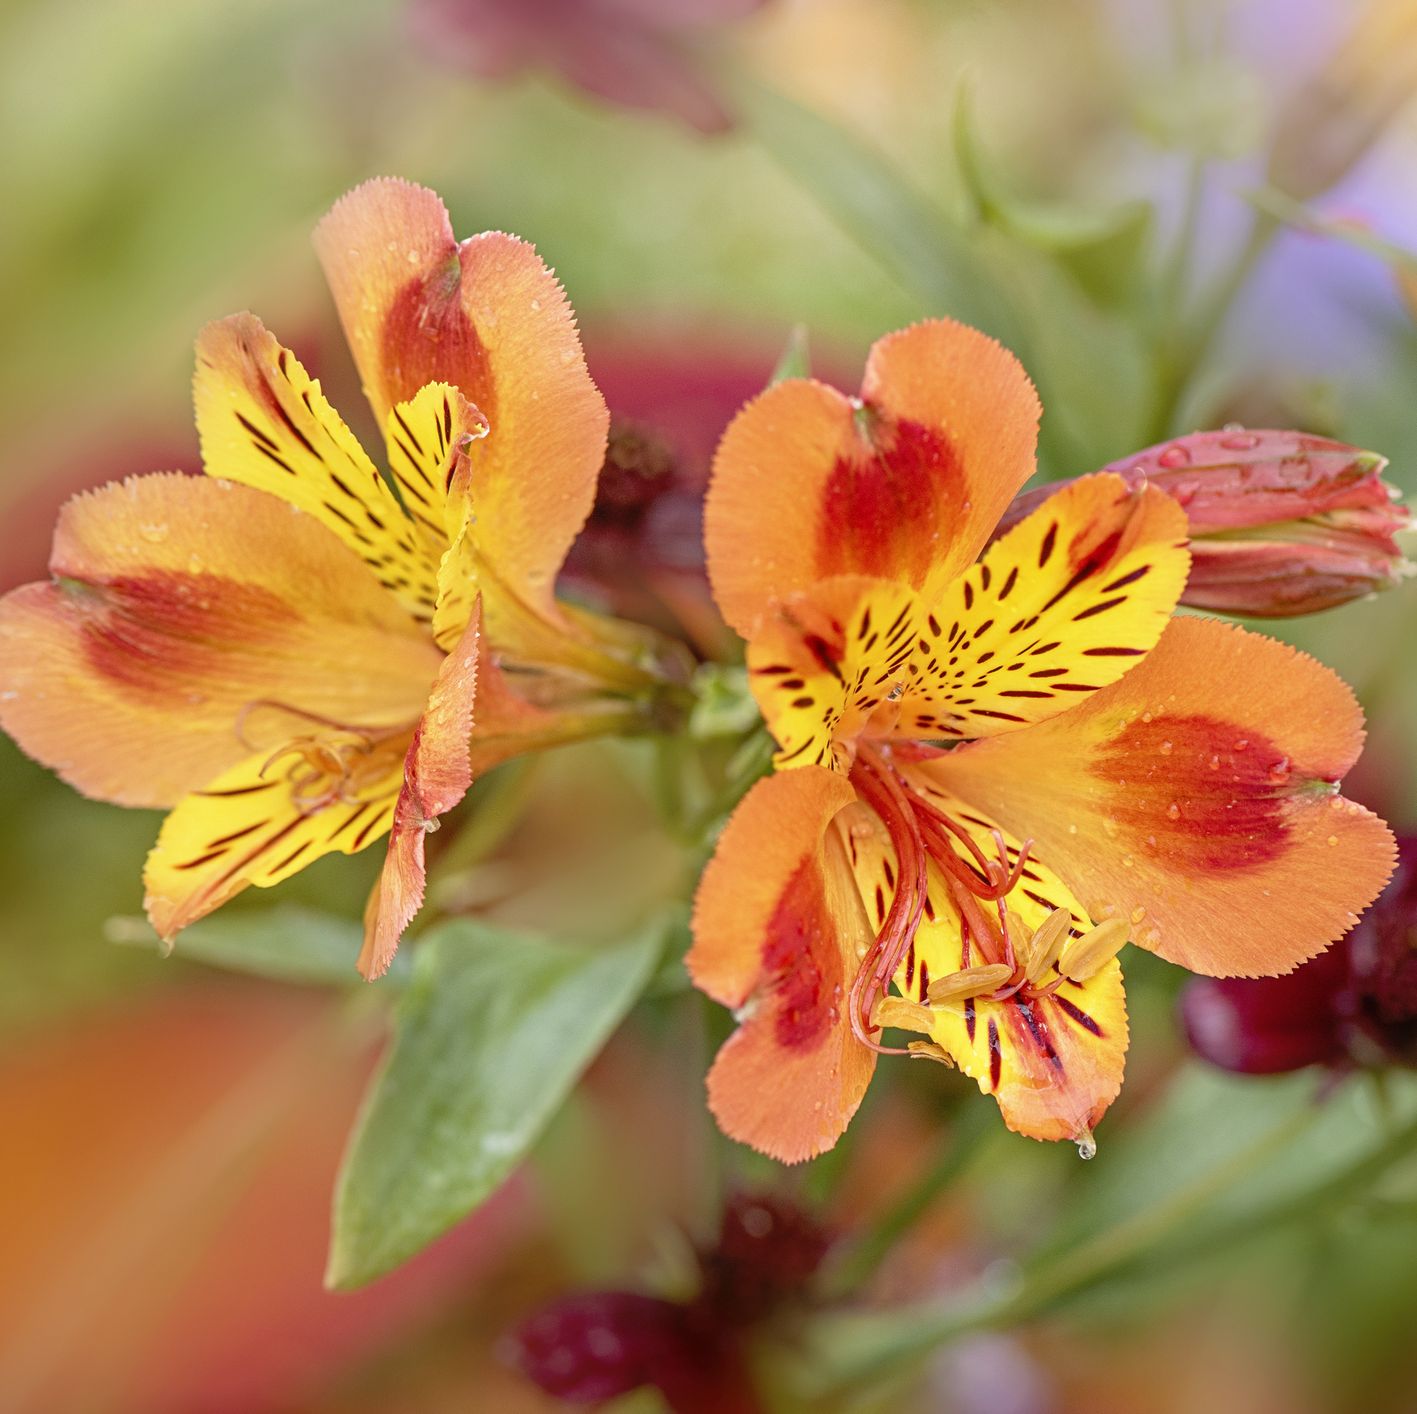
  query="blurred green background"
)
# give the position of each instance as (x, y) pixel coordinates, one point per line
(1080, 176)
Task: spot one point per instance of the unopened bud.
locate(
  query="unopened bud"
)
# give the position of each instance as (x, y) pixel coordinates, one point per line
(1282, 523)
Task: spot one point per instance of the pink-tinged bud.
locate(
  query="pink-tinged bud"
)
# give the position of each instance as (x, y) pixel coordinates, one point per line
(1282, 523)
(1354, 1005)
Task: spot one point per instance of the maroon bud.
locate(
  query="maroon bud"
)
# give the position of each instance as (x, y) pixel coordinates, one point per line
(1282, 523)
(768, 1249)
(598, 1345)
(1266, 1025)
(1354, 1005)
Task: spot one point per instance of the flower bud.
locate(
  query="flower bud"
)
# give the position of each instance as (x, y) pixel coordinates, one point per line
(1282, 523)
(1355, 1004)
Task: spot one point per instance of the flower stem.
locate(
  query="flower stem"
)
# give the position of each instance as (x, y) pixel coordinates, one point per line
(849, 1349)
(861, 1261)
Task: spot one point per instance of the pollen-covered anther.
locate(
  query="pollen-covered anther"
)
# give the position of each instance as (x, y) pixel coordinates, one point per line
(1086, 956)
(930, 1050)
(902, 1014)
(970, 982)
(1045, 947)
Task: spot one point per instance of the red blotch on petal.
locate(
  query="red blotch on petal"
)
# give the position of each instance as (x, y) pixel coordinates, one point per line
(1193, 786)
(875, 503)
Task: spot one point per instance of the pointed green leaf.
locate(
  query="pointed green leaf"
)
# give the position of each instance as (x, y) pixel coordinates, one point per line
(287, 944)
(493, 1032)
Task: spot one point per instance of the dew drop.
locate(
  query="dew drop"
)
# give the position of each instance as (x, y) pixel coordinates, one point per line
(1173, 811)
(1087, 1145)
(154, 532)
(1333, 839)
(1240, 442)
(1146, 716)
(1166, 748)
(1280, 772)
(1215, 763)
(1173, 457)
(1138, 914)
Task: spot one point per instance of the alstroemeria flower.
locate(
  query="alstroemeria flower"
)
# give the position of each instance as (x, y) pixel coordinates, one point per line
(991, 774)
(286, 651)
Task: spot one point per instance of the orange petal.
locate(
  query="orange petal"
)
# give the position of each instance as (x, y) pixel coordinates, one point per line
(1196, 798)
(777, 934)
(190, 624)
(489, 318)
(1064, 604)
(264, 422)
(436, 774)
(266, 819)
(907, 484)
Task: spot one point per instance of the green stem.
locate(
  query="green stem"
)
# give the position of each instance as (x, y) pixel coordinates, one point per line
(1180, 362)
(860, 1262)
(851, 1349)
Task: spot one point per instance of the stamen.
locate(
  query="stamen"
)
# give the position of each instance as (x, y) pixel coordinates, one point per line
(1086, 956)
(903, 1014)
(970, 982)
(930, 1050)
(1046, 945)
(876, 783)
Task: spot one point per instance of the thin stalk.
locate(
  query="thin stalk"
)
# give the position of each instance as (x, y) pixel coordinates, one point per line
(852, 1349)
(863, 1259)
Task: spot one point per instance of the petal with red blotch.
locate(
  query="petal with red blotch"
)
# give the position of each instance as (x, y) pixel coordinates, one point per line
(778, 933)
(489, 318)
(264, 422)
(1197, 798)
(906, 484)
(436, 774)
(190, 624)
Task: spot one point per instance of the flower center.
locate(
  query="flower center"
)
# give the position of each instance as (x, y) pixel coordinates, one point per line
(338, 763)
(1002, 956)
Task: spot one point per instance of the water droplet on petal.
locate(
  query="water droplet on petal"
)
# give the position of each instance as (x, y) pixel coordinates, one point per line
(1173, 457)
(1173, 811)
(1087, 1145)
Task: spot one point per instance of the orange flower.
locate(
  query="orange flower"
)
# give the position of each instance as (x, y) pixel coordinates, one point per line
(287, 652)
(1106, 772)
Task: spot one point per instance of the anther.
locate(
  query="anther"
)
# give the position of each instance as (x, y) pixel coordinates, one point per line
(1046, 945)
(903, 1015)
(971, 982)
(930, 1050)
(1086, 956)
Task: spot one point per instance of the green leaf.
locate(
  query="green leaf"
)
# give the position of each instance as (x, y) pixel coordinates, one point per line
(1104, 249)
(491, 1035)
(287, 944)
(879, 209)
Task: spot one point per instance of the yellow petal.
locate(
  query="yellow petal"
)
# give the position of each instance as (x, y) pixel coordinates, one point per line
(264, 422)
(1066, 603)
(266, 819)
